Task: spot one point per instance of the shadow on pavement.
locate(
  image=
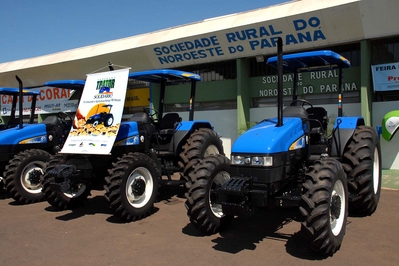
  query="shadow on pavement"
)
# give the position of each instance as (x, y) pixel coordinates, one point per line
(245, 233)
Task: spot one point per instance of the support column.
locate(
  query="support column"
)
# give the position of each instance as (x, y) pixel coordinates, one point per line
(365, 82)
(243, 95)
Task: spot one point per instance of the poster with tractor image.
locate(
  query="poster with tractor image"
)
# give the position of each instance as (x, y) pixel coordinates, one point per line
(99, 113)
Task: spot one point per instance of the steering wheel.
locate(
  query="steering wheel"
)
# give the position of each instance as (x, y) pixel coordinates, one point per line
(154, 114)
(64, 117)
(301, 101)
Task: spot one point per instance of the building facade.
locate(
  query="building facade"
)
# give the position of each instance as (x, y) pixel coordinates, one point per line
(238, 89)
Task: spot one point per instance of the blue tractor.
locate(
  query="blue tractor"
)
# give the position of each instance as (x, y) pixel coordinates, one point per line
(290, 161)
(25, 148)
(150, 148)
(105, 118)
(12, 95)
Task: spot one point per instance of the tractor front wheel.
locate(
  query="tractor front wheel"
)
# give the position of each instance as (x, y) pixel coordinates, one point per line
(75, 195)
(23, 175)
(324, 205)
(203, 209)
(132, 187)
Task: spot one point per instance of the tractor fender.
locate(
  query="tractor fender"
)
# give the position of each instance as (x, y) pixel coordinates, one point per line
(343, 130)
(128, 134)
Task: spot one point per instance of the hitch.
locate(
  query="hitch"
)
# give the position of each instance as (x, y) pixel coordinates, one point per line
(62, 177)
(234, 196)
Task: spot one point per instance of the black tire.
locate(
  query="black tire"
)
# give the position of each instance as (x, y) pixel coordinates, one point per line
(203, 212)
(324, 205)
(59, 200)
(203, 142)
(108, 120)
(23, 176)
(362, 165)
(132, 187)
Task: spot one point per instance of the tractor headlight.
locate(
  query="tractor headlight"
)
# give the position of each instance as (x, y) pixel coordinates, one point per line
(252, 160)
(262, 161)
(238, 159)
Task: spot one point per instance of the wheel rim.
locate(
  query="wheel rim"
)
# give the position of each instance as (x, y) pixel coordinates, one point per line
(337, 207)
(211, 150)
(218, 181)
(110, 121)
(376, 171)
(139, 187)
(31, 177)
(76, 191)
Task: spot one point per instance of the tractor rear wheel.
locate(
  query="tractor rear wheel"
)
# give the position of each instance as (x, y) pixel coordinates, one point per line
(76, 195)
(108, 120)
(23, 175)
(324, 205)
(362, 164)
(203, 142)
(202, 208)
(132, 187)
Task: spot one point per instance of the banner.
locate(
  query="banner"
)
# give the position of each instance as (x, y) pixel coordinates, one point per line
(99, 113)
(50, 100)
(386, 77)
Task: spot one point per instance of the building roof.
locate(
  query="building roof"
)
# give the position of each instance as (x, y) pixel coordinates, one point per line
(303, 25)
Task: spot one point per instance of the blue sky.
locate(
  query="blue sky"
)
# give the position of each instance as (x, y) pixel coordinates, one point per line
(32, 28)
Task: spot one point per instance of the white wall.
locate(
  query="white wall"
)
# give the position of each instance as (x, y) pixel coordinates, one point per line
(224, 122)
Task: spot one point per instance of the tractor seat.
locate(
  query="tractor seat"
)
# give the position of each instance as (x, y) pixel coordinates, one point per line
(318, 119)
(140, 117)
(295, 111)
(168, 123)
(51, 120)
(143, 121)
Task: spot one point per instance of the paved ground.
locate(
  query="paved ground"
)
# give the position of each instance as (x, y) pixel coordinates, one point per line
(36, 234)
(390, 179)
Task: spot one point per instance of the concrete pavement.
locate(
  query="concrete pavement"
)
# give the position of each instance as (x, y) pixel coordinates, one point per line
(390, 179)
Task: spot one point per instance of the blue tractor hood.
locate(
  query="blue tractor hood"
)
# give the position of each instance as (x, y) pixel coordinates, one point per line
(30, 133)
(266, 138)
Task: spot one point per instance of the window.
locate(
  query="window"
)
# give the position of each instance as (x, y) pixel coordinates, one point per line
(202, 106)
(385, 51)
(214, 71)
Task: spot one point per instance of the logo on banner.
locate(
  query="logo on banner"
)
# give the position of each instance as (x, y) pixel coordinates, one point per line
(104, 88)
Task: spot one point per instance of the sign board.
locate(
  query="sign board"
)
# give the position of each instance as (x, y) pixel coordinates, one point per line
(386, 77)
(99, 114)
(50, 100)
(137, 97)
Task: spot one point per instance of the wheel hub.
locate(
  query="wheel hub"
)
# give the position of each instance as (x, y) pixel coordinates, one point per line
(138, 187)
(35, 177)
(335, 206)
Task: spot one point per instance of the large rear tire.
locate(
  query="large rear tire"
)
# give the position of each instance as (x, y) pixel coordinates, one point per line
(76, 195)
(24, 174)
(324, 205)
(203, 142)
(132, 187)
(362, 164)
(202, 208)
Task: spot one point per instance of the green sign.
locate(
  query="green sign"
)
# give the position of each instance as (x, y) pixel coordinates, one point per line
(317, 82)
